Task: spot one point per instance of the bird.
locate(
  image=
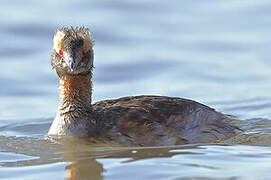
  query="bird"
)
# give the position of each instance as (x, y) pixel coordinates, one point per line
(142, 120)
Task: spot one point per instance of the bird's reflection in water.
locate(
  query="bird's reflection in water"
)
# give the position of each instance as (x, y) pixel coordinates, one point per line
(85, 169)
(82, 155)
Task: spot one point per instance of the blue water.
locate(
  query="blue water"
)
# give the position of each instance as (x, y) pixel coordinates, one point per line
(214, 52)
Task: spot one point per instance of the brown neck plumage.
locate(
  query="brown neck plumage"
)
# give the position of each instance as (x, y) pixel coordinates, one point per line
(75, 95)
(75, 115)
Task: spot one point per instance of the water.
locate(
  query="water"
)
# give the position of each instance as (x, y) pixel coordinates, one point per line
(215, 52)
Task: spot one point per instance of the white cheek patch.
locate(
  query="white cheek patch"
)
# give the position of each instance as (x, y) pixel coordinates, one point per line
(67, 57)
(68, 60)
(58, 39)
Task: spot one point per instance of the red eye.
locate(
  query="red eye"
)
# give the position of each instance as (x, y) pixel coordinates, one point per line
(60, 52)
(84, 52)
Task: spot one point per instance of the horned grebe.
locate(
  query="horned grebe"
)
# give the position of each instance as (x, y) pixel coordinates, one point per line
(136, 120)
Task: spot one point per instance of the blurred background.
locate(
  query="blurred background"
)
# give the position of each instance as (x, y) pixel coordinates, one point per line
(215, 52)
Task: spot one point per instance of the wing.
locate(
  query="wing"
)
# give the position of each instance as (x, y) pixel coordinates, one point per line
(160, 120)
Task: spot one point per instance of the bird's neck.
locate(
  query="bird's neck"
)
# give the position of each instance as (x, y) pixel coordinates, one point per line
(75, 90)
(74, 114)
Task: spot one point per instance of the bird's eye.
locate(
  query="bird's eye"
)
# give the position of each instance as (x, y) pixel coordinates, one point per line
(60, 52)
(84, 52)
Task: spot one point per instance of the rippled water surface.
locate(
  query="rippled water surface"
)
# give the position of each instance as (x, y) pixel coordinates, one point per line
(215, 52)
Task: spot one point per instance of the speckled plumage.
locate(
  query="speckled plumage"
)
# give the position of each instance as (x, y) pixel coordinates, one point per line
(160, 120)
(136, 120)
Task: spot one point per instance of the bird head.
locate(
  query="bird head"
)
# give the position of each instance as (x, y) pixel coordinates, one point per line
(72, 52)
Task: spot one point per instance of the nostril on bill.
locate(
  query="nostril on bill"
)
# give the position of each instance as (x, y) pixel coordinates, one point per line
(73, 64)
